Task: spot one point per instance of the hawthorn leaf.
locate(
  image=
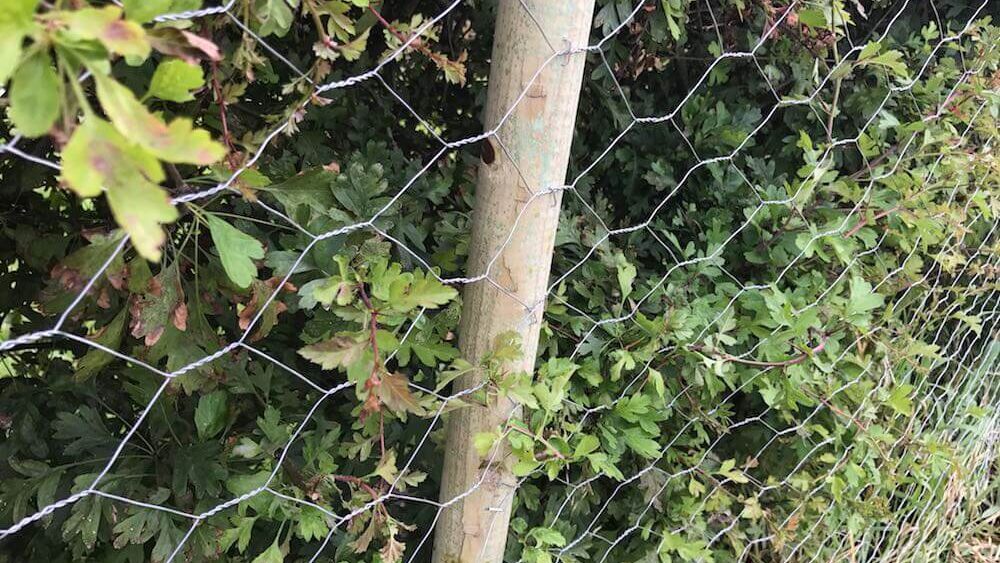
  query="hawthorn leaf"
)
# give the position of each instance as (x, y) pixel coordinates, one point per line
(337, 352)
(274, 16)
(899, 400)
(34, 95)
(124, 37)
(161, 304)
(183, 44)
(97, 156)
(656, 378)
(143, 11)
(587, 445)
(626, 274)
(310, 188)
(95, 360)
(813, 17)
(174, 80)
(237, 250)
(861, 301)
(484, 441)
(271, 555)
(312, 524)
(548, 536)
(177, 142)
(15, 22)
(419, 291)
(210, 415)
(352, 50)
(260, 293)
(138, 528)
(638, 442)
(394, 391)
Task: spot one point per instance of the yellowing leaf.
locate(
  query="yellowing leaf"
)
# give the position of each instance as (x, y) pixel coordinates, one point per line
(106, 25)
(15, 23)
(484, 441)
(237, 250)
(174, 80)
(339, 351)
(34, 95)
(352, 50)
(98, 156)
(177, 142)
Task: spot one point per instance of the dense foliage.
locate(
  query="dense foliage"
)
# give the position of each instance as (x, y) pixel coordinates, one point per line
(779, 355)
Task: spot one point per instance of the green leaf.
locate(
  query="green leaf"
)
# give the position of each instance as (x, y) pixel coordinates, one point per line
(271, 555)
(85, 521)
(484, 441)
(243, 484)
(174, 80)
(138, 528)
(127, 38)
(210, 415)
(109, 336)
(657, 380)
(352, 50)
(143, 11)
(626, 274)
(275, 17)
(15, 23)
(862, 300)
(312, 524)
(889, 60)
(177, 142)
(237, 250)
(524, 467)
(409, 291)
(812, 17)
(310, 188)
(638, 442)
(548, 536)
(899, 400)
(587, 445)
(98, 156)
(34, 95)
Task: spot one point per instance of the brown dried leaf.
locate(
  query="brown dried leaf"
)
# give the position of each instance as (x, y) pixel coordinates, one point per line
(260, 292)
(393, 550)
(158, 306)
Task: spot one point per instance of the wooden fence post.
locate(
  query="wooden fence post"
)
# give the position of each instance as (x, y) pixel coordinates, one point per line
(514, 229)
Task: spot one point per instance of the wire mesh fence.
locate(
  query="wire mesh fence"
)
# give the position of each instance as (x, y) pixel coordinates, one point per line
(712, 385)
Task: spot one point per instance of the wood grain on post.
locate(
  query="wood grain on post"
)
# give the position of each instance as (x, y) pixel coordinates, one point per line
(514, 227)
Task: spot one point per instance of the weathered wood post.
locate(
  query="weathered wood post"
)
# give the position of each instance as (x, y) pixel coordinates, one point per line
(538, 134)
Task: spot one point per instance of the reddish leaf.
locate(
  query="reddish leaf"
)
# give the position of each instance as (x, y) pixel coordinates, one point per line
(183, 44)
(394, 391)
